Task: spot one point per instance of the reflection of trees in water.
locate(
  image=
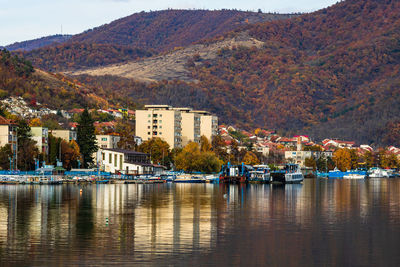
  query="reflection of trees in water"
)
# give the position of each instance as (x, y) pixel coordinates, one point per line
(84, 218)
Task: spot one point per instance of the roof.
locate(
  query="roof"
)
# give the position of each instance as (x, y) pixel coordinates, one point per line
(157, 106)
(125, 151)
(285, 139)
(159, 166)
(76, 110)
(4, 121)
(202, 112)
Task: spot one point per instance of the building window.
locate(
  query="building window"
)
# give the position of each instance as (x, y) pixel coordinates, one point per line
(115, 160)
(148, 127)
(110, 158)
(103, 156)
(120, 162)
(104, 139)
(160, 115)
(148, 121)
(149, 116)
(160, 133)
(160, 127)
(160, 121)
(148, 133)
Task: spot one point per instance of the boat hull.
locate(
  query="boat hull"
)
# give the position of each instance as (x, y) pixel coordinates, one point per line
(287, 178)
(233, 179)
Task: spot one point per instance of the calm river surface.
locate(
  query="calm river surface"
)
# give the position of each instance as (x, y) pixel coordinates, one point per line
(318, 223)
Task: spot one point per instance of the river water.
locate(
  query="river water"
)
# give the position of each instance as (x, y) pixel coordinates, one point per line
(318, 223)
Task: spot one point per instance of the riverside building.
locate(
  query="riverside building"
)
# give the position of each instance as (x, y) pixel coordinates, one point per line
(176, 126)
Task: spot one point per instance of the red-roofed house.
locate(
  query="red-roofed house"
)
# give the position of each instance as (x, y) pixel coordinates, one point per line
(338, 143)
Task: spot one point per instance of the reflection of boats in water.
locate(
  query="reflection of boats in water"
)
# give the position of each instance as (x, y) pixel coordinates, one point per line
(290, 174)
(260, 174)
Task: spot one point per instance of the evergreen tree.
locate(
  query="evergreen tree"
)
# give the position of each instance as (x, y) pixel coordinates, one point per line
(86, 138)
(27, 149)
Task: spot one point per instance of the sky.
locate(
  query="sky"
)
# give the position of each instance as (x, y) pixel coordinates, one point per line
(22, 20)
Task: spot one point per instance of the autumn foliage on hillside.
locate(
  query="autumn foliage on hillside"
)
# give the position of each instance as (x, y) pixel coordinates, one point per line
(140, 35)
(334, 72)
(19, 78)
(331, 73)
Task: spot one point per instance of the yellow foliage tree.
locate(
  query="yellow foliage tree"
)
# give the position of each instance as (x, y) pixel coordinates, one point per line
(36, 122)
(389, 161)
(250, 158)
(204, 144)
(191, 159)
(342, 159)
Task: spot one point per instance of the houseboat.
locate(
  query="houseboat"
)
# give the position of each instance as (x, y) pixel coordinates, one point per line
(291, 173)
(260, 174)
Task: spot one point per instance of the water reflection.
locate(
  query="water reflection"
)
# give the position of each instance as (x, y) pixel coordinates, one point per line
(319, 222)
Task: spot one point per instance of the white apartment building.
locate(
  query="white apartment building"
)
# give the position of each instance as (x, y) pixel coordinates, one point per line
(41, 136)
(160, 121)
(176, 126)
(108, 141)
(190, 126)
(8, 133)
(208, 124)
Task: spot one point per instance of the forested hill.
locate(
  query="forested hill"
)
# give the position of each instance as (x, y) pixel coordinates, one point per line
(19, 78)
(331, 73)
(38, 43)
(141, 35)
(168, 29)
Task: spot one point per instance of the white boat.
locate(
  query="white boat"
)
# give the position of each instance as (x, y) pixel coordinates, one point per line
(378, 173)
(290, 174)
(262, 174)
(354, 176)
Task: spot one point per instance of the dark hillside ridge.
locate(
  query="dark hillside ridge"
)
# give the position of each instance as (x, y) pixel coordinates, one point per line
(167, 29)
(38, 43)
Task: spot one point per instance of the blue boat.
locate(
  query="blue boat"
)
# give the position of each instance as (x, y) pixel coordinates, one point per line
(337, 174)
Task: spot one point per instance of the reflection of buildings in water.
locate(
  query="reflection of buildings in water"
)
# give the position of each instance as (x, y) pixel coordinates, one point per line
(297, 202)
(181, 220)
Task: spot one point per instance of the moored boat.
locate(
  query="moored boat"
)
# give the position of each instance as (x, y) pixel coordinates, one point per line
(291, 173)
(378, 173)
(354, 176)
(260, 174)
(235, 174)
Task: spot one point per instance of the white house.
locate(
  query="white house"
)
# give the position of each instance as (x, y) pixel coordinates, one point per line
(299, 157)
(124, 161)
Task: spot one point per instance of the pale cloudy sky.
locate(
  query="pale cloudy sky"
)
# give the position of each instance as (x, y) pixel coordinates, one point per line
(22, 20)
